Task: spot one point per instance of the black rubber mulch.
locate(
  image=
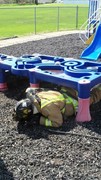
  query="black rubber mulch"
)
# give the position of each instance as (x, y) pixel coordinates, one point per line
(28, 152)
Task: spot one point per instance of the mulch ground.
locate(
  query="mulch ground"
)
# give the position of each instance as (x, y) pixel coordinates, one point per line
(28, 152)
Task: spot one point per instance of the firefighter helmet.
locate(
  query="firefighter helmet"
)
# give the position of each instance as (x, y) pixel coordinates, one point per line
(23, 109)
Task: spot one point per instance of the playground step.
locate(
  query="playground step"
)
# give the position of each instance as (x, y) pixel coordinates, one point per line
(90, 39)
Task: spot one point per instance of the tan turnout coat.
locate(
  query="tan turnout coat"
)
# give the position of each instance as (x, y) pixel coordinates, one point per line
(53, 106)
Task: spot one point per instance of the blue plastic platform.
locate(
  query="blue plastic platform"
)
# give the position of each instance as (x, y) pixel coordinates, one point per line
(81, 75)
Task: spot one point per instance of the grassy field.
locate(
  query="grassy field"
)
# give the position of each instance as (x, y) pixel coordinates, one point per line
(23, 20)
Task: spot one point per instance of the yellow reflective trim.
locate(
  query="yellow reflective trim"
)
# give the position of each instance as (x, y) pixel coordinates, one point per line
(70, 100)
(63, 89)
(47, 101)
(63, 110)
(48, 122)
(26, 111)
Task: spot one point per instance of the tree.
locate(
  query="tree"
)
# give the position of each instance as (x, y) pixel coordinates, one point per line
(36, 2)
(17, 1)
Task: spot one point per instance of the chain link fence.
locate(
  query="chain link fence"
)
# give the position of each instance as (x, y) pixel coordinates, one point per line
(26, 20)
(59, 18)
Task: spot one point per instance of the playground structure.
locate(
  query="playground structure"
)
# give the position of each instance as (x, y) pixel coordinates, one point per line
(81, 75)
(93, 51)
(93, 32)
(90, 26)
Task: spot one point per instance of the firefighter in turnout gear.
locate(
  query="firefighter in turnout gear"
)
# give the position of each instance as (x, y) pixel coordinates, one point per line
(50, 106)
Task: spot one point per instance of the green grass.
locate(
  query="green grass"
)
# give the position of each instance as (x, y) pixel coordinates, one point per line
(20, 20)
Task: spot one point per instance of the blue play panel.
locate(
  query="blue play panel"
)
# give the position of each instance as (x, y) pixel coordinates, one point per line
(81, 75)
(59, 70)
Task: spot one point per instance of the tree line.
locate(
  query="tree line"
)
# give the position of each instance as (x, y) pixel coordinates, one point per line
(19, 1)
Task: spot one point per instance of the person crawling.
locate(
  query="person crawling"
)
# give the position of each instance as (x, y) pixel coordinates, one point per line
(50, 107)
